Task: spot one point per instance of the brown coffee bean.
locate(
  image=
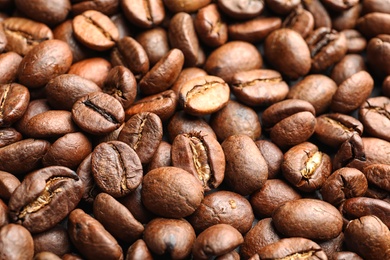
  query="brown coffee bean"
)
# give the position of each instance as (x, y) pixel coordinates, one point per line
(322, 221)
(346, 255)
(95, 69)
(355, 41)
(338, 5)
(182, 123)
(72, 256)
(23, 156)
(377, 54)
(377, 174)
(292, 247)
(196, 94)
(24, 34)
(8, 183)
(121, 23)
(173, 238)
(235, 118)
(3, 214)
(84, 171)
(171, 192)
(261, 234)
(187, 6)
(139, 250)
(331, 246)
(352, 92)
(51, 123)
(9, 136)
(345, 68)
(202, 156)
(373, 24)
(300, 20)
(40, 11)
(98, 113)
(35, 107)
(55, 240)
(16, 242)
(9, 64)
(319, 12)
(90, 237)
(95, 30)
(163, 104)
(108, 7)
(185, 75)
(255, 30)
(317, 89)
(272, 195)
(210, 27)
(232, 255)
(116, 218)
(144, 14)
(282, 7)
(129, 53)
(182, 35)
(45, 197)
(14, 99)
(46, 256)
(368, 237)
(143, 132)
(259, 87)
(346, 19)
(272, 155)
(155, 43)
(351, 153)
(245, 55)
(162, 157)
(223, 207)
(334, 129)
(216, 240)
(64, 90)
(241, 9)
(163, 74)
(245, 172)
(116, 168)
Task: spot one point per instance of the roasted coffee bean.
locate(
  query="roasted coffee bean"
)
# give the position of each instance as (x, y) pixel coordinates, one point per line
(290, 248)
(210, 27)
(24, 34)
(334, 129)
(98, 113)
(300, 20)
(245, 172)
(46, 256)
(282, 7)
(72, 256)
(386, 87)
(259, 87)
(182, 123)
(223, 207)
(352, 92)
(139, 250)
(143, 132)
(185, 75)
(14, 99)
(35, 107)
(173, 238)
(245, 55)
(235, 118)
(196, 94)
(171, 192)
(202, 156)
(346, 255)
(216, 240)
(9, 64)
(162, 157)
(55, 240)
(163, 104)
(317, 89)
(187, 6)
(368, 237)
(95, 69)
(144, 14)
(129, 53)
(3, 214)
(254, 30)
(64, 90)
(273, 157)
(8, 183)
(163, 74)
(374, 116)
(296, 59)
(377, 54)
(306, 167)
(241, 9)
(292, 116)
(377, 174)
(9, 136)
(121, 84)
(45, 197)
(40, 11)
(23, 156)
(322, 220)
(361, 206)
(84, 171)
(346, 19)
(333, 245)
(155, 43)
(16, 242)
(350, 153)
(116, 168)
(319, 12)
(338, 5)
(355, 41)
(116, 218)
(108, 7)
(95, 30)
(343, 184)
(373, 24)
(272, 195)
(122, 24)
(90, 237)
(345, 68)
(327, 46)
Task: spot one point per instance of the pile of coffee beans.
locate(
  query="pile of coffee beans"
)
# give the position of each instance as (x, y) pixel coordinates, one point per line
(195, 129)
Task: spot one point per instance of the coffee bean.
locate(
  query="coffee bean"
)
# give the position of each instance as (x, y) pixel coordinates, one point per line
(345, 68)
(300, 20)
(377, 174)
(95, 69)
(355, 41)
(162, 157)
(241, 9)
(346, 19)
(109, 7)
(340, 5)
(319, 12)
(370, 6)
(139, 250)
(254, 30)
(373, 24)
(331, 246)
(14, 100)
(8, 183)
(374, 113)
(116, 168)
(9, 64)
(273, 157)
(350, 153)
(55, 240)
(3, 214)
(16, 242)
(346, 255)
(144, 14)
(155, 43)
(187, 6)
(45, 197)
